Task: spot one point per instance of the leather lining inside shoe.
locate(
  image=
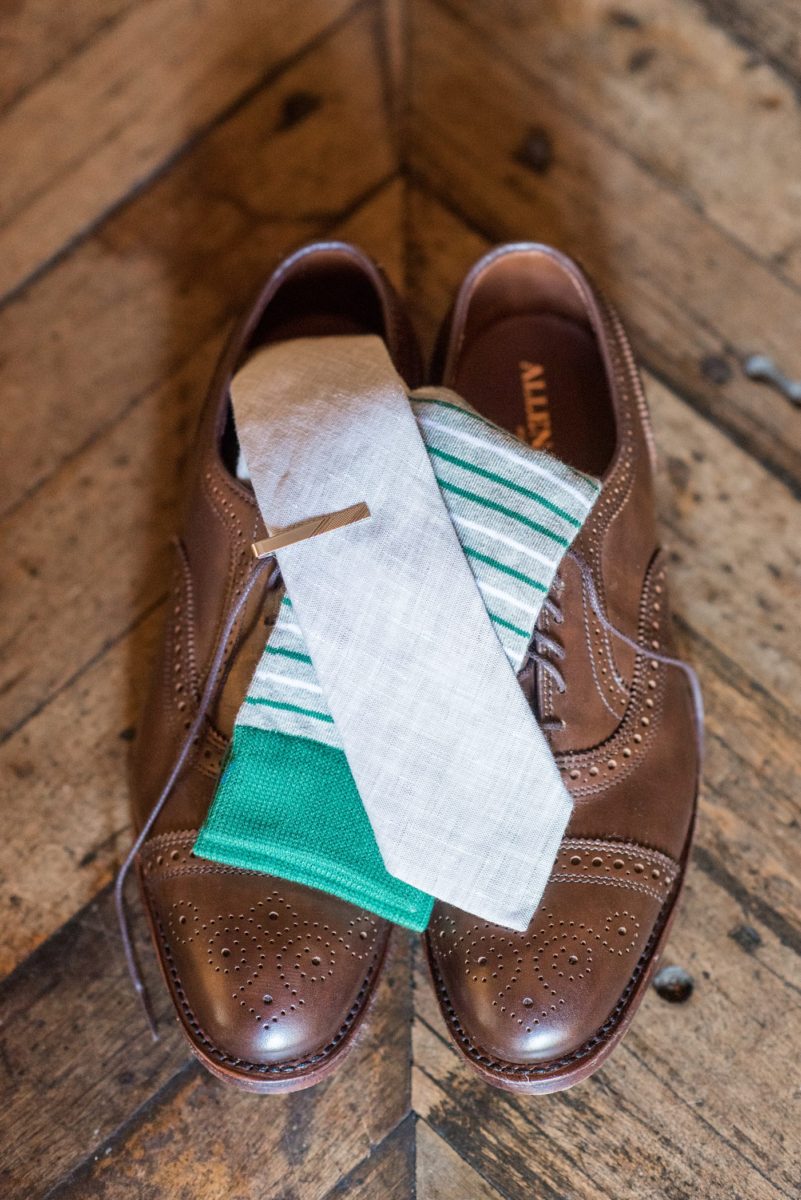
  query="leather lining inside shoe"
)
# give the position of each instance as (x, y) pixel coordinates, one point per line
(326, 297)
(529, 361)
(321, 299)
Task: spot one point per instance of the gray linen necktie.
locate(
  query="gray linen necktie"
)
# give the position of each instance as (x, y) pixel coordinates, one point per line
(458, 782)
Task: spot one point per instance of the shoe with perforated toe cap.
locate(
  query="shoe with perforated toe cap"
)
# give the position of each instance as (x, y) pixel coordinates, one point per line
(270, 980)
(534, 347)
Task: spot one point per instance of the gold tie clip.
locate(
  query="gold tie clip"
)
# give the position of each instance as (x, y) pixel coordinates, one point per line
(311, 527)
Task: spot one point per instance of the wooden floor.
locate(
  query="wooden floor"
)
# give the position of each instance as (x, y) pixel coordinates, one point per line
(158, 155)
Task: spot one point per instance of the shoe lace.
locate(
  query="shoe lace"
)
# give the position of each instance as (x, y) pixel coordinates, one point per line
(258, 572)
(547, 653)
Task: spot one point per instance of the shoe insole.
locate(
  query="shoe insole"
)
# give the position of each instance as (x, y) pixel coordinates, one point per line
(542, 377)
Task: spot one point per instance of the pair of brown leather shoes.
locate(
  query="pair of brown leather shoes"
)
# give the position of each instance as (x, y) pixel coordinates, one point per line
(270, 979)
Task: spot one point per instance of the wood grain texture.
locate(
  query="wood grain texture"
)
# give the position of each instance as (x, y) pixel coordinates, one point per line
(116, 112)
(77, 1056)
(137, 299)
(95, 1099)
(672, 58)
(39, 37)
(770, 32)
(442, 1174)
(164, 155)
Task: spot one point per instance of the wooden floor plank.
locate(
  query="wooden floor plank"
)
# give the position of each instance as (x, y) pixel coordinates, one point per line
(76, 1055)
(387, 1173)
(750, 801)
(676, 91)
(82, 565)
(657, 256)
(65, 821)
(770, 31)
(64, 812)
(738, 576)
(80, 1063)
(115, 112)
(134, 301)
(442, 1174)
(38, 37)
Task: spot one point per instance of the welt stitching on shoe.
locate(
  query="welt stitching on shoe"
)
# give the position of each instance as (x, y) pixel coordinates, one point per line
(618, 490)
(242, 1064)
(223, 479)
(232, 525)
(210, 490)
(608, 853)
(600, 1036)
(209, 752)
(160, 876)
(173, 837)
(604, 881)
(609, 510)
(586, 612)
(187, 621)
(585, 759)
(615, 325)
(627, 381)
(169, 657)
(184, 840)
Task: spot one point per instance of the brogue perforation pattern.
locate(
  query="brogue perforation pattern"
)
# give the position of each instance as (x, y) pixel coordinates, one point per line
(239, 554)
(588, 772)
(287, 1068)
(273, 956)
(532, 1071)
(179, 672)
(616, 864)
(612, 689)
(532, 975)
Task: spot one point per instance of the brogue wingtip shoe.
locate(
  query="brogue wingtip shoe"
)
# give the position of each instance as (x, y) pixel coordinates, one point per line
(528, 1007)
(537, 349)
(270, 980)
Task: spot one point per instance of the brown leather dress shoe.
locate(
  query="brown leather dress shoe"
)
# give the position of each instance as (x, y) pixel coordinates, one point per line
(533, 346)
(269, 979)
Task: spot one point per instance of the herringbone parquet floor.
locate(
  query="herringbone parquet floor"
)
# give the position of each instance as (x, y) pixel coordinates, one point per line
(159, 155)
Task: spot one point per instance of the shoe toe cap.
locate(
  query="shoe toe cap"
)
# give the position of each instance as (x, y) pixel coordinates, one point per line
(265, 974)
(553, 992)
